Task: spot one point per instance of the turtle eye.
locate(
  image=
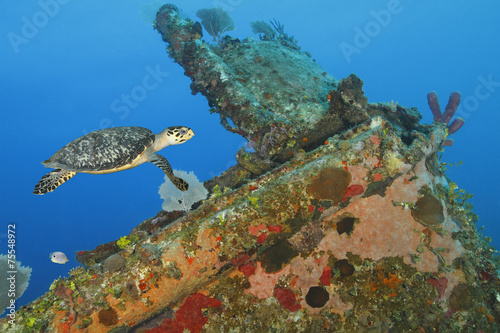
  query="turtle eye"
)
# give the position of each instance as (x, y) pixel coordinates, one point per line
(183, 131)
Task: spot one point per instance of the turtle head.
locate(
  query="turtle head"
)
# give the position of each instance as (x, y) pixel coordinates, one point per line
(172, 136)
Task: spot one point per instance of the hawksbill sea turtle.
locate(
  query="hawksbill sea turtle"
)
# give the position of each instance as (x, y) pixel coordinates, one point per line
(111, 150)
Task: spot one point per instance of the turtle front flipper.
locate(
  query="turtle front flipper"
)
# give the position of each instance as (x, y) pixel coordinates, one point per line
(52, 180)
(162, 163)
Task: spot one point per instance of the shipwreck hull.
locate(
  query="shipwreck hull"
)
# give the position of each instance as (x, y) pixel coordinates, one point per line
(276, 253)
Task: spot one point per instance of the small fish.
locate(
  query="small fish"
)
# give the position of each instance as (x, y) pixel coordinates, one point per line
(58, 257)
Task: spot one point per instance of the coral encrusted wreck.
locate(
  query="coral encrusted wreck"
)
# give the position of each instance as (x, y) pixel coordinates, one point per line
(342, 219)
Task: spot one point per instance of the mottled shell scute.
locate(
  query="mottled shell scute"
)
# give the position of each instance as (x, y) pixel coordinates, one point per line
(102, 149)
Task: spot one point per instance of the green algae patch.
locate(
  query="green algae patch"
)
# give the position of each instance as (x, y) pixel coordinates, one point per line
(428, 210)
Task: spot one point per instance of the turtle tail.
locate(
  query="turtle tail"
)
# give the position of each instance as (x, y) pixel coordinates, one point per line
(52, 180)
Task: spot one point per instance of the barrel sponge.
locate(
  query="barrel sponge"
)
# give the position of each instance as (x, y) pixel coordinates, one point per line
(330, 184)
(21, 282)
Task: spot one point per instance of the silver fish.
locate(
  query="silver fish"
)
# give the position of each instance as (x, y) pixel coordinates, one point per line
(58, 257)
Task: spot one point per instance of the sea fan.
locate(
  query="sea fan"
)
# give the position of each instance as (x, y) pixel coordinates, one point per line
(22, 278)
(175, 199)
(216, 21)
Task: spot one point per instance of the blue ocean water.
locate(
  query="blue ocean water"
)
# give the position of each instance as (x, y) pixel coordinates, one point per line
(70, 67)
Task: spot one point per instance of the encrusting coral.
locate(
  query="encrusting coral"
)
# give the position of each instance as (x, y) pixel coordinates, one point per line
(393, 248)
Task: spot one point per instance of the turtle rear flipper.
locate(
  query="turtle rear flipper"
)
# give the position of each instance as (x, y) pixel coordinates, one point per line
(52, 180)
(162, 163)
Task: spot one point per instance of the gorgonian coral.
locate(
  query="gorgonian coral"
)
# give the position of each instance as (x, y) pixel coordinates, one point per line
(216, 21)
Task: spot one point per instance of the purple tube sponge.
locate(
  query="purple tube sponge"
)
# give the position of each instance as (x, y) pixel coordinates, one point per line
(452, 106)
(455, 125)
(449, 112)
(432, 99)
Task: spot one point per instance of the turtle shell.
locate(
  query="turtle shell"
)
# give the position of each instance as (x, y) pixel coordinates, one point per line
(102, 149)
